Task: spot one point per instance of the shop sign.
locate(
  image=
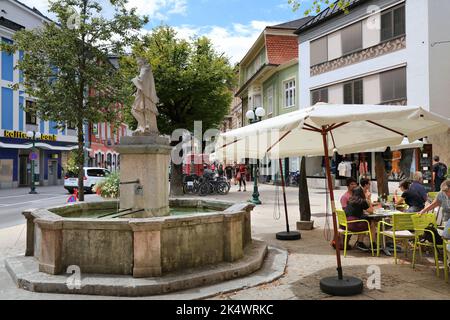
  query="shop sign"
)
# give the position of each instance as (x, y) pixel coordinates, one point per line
(23, 135)
(33, 156)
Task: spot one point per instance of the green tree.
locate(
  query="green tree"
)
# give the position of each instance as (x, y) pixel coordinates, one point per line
(193, 83)
(66, 64)
(318, 5)
(72, 164)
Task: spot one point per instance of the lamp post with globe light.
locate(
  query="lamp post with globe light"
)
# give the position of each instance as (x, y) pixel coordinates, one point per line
(33, 135)
(255, 116)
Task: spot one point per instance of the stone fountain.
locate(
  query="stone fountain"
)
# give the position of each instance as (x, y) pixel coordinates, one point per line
(136, 236)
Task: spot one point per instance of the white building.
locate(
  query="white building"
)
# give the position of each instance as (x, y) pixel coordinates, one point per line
(380, 52)
(15, 147)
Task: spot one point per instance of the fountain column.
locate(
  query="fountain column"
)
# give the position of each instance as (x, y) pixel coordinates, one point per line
(144, 175)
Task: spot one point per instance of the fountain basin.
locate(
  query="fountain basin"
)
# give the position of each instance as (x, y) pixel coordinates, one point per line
(137, 247)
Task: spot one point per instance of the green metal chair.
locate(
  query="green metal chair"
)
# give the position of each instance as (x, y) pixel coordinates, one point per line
(446, 251)
(342, 220)
(432, 196)
(421, 222)
(401, 226)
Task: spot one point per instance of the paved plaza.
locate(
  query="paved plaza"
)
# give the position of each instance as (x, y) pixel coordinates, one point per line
(309, 260)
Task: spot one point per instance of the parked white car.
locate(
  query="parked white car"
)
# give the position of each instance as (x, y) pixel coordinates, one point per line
(91, 177)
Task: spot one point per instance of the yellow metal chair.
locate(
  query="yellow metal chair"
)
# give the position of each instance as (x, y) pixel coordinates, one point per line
(432, 196)
(342, 220)
(401, 226)
(421, 222)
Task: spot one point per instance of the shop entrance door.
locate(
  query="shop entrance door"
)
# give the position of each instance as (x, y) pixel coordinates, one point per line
(52, 173)
(24, 171)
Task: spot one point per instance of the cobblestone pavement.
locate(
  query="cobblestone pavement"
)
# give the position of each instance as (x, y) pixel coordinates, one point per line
(310, 259)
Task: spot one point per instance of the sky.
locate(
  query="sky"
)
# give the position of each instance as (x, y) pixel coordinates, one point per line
(232, 25)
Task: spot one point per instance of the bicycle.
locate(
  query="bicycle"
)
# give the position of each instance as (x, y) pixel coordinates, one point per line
(191, 184)
(213, 185)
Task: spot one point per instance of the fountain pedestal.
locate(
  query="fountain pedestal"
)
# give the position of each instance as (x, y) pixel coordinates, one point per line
(144, 175)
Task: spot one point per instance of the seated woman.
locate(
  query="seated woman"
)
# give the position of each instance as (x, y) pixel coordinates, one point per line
(410, 196)
(443, 201)
(355, 209)
(365, 184)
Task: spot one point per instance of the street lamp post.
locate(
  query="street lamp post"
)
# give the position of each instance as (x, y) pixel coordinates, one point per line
(33, 135)
(255, 116)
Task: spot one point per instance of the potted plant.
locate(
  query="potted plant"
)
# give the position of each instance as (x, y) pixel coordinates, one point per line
(109, 187)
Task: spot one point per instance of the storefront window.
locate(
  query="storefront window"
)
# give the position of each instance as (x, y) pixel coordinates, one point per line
(400, 165)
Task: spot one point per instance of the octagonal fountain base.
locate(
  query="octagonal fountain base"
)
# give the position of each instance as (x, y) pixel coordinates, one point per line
(172, 253)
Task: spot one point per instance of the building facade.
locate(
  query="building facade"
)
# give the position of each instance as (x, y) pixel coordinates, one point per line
(57, 140)
(103, 139)
(381, 52)
(234, 118)
(15, 146)
(269, 79)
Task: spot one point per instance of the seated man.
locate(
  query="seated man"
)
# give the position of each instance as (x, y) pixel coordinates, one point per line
(411, 197)
(351, 185)
(418, 188)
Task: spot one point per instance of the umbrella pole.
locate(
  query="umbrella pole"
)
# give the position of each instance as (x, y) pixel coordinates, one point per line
(288, 235)
(340, 286)
(333, 206)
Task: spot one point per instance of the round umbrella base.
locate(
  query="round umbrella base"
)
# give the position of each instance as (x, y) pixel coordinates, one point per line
(289, 236)
(348, 286)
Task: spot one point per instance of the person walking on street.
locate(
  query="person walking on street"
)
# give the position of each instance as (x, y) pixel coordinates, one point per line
(439, 173)
(220, 170)
(229, 172)
(241, 176)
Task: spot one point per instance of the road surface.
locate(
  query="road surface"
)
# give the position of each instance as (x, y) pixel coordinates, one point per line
(14, 201)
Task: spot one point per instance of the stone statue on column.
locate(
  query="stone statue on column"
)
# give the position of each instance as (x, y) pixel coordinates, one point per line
(144, 107)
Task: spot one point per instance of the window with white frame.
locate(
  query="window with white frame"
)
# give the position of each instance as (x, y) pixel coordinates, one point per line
(393, 23)
(319, 95)
(351, 38)
(353, 92)
(319, 51)
(289, 93)
(393, 85)
(257, 101)
(270, 100)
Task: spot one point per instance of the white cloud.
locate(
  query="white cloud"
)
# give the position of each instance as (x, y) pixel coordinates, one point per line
(234, 41)
(156, 9)
(159, 9)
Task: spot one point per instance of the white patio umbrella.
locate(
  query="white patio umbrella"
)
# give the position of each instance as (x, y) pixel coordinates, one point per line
(322, 130)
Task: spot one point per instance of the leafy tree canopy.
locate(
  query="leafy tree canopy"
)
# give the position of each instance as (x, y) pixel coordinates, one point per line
(318, 5)
(66, 60)
(66, 63)
(193, 81)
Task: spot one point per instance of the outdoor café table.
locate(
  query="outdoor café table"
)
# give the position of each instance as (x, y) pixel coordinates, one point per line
(382, 215)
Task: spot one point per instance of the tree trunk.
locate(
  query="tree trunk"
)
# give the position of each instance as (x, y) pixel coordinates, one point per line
(80, 161)
(380, 171)
(176, 180)
(303, 193)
